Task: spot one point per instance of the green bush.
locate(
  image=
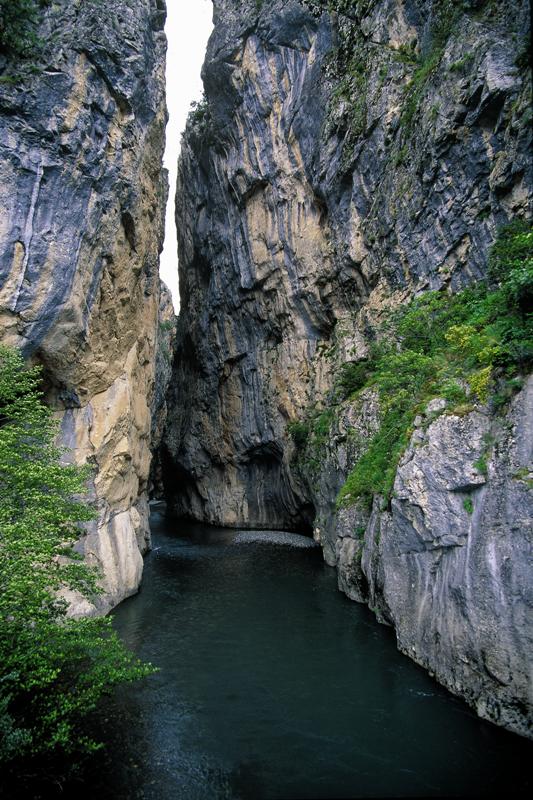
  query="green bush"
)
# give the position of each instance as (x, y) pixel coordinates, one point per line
(511, 265)
(53, 669)
(353, 377)
(321, 427)
(468, 505)
(310, 437)
(299, 432)
(167, 325)
(18, 23)
(481, 464)
(441, 345)
(200, 114)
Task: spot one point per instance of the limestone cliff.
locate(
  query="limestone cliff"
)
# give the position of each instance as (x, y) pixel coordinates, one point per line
(82, 195)
(348, 157)
(166, 341)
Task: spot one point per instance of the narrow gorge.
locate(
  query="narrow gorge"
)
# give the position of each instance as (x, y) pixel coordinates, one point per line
(351, 358)
(341, 165)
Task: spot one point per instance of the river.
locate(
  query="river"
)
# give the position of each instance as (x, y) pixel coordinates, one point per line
(272, 684)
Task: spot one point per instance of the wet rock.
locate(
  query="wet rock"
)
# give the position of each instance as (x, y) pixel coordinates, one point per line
(456, 580)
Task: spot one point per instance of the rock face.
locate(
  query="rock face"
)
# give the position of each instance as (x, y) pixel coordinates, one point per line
(470, 561)
(166, 342)
(82, 194)
(339, 166)
(449, 566)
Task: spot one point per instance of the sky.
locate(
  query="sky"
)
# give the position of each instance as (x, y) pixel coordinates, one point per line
(188, 27)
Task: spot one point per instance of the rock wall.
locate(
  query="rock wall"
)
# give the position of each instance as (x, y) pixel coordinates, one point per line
(341, 164)
(454, 579)
(166, 342)
(82, 194)
(296, 212)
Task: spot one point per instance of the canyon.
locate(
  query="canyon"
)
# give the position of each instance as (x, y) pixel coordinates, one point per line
(347, 158)
(341, 164)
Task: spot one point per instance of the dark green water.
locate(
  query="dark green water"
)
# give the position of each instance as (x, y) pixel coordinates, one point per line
(274, 685)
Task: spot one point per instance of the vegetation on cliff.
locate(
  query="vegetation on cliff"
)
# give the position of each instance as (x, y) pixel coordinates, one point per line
(18, 22)
(54, 669)
(467, 348)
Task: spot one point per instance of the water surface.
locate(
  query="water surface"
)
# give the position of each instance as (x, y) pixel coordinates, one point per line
(274, 685)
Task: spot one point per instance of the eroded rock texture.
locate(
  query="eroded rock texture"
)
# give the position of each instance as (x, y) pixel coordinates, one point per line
(449, 564)
(166, 341)
(316, 189)
(82, 196)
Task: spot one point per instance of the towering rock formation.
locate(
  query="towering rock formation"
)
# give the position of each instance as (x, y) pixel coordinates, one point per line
(82, 195)
(163, 371)
(346, 160)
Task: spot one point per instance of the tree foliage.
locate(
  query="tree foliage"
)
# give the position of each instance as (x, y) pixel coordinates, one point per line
(53, 669)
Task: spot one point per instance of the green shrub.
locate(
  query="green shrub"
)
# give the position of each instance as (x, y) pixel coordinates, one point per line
(200, 114)
(53, 669)
(453, 393)
(480, 338)
(299, 432)
(353, 376)
(468, 505)
(511, 265)
(310, 437)
(374, 472)
(481, 465)
(167, 325)
(18, 23)
(321, 426)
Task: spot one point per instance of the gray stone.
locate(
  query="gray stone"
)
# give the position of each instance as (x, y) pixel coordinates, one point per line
(82, 193)
(458, 585)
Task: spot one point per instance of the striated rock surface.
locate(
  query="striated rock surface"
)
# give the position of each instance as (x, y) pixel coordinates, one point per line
(449, 564)
(166, 341)
(82, 194)
(341, 164)
(457, 582)
(300, 215)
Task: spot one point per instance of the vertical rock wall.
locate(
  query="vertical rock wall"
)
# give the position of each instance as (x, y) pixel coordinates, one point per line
(82, 195)
(166, 333)
(318, 188)
(448, 564)
(256, 270)
(296, 212)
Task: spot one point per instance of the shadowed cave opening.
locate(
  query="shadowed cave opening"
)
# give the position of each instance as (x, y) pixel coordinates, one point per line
(177, 487)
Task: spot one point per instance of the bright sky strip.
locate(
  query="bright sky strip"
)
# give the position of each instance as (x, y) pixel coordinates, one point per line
(188, 27)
